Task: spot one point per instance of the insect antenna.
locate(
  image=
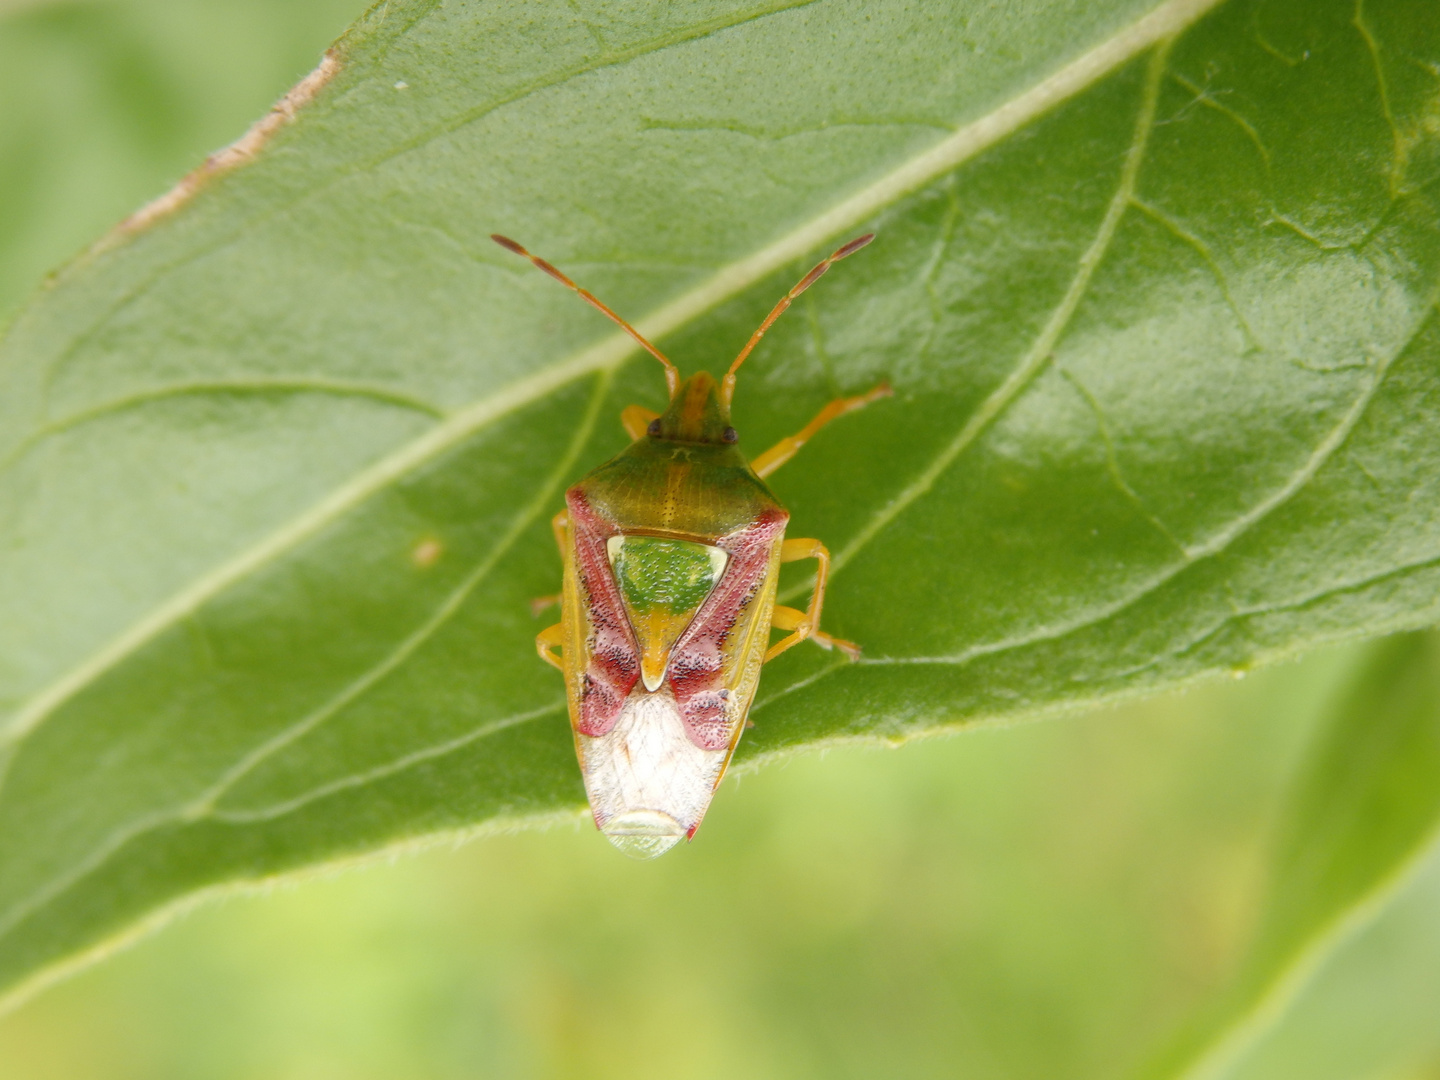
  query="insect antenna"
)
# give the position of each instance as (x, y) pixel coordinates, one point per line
(727, 387)
(672, 374)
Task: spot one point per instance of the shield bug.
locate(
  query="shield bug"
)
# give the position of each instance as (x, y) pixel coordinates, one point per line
(672, 554)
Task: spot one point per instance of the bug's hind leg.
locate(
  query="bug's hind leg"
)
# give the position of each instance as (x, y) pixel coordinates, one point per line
(787, 447)
(636, 420)
(806, 624)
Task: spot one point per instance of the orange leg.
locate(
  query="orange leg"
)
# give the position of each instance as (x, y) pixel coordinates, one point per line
(552, 637)
(557, 526)
(806, 624)
(636, 420)
(787, 447)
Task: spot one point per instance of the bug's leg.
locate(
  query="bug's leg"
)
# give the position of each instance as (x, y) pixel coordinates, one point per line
(787, 447)
(636, 420)
(557, 526)
(806, 624)
(789, 618)
(552, 637)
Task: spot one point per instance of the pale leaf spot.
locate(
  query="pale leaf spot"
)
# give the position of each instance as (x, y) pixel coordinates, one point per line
(427, 553)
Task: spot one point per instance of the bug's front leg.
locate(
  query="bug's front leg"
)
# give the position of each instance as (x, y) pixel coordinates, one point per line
(635, 419)
(806, 624)
(789, 446)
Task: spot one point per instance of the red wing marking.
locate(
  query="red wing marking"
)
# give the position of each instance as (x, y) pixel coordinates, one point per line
(696, 673)
(614, 665)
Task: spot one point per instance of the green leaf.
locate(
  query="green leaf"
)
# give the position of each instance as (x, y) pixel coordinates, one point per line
(1370, 1011)
(1039, 901)
(107, 103)
(1154, 285)
(1360, 835)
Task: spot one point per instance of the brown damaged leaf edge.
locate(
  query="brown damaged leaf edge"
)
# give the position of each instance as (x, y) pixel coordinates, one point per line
(239, 152)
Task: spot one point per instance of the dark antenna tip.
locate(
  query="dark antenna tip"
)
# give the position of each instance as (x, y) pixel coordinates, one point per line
(855, 245)
(672, 376)
(789, 298)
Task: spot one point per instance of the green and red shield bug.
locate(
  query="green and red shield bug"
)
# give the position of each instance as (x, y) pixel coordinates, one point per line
(672, 554)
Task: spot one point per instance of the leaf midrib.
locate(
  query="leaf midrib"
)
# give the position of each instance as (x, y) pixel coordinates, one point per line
(204, 805)
(1219, 541)
(423, 138)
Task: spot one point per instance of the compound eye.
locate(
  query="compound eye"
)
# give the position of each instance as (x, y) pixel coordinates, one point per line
(731, 435)
(654, 428)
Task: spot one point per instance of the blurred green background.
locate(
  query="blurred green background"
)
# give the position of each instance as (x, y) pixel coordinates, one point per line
(1049, 900)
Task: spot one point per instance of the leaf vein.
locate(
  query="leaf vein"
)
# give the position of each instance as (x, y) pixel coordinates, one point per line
(218, 388)
(1218, 542)
(1038, 356)
(446, 611)
(1164, 22)
(205, 803)
(399, 149)
(1112, 459)
(1207, 99)
(1189, 239)
(1396, 172)
(379, 772)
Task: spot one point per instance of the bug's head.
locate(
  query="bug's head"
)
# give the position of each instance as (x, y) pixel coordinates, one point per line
(699, 409)
(699, 412)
